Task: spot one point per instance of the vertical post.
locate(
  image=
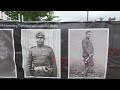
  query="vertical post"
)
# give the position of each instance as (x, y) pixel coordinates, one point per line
(87, 15)
(22, 18)
(19, 17)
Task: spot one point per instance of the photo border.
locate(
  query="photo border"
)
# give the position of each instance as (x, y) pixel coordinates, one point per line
(107, 29)
(59, 55)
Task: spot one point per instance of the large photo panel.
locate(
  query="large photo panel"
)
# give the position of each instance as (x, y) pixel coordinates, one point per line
(88, 53)
(7, 54)
(41, 51)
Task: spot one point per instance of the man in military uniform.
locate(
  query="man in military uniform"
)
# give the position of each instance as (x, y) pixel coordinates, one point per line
(88, 52)
(41, 59)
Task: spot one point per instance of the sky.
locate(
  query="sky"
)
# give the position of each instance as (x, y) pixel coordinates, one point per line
(82, 15)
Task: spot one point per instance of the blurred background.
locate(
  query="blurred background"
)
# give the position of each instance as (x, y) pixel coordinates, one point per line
(60, 16)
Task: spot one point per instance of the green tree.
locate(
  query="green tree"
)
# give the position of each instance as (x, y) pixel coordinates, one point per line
(32, 15)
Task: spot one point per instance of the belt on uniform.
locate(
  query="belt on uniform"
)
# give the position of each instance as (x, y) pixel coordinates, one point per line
(43, 68)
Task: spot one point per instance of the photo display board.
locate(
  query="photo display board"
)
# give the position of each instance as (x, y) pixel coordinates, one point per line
(60, 50)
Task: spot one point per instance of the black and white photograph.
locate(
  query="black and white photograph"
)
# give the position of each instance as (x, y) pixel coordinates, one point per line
(41, 52)
(7, 54)
(88, 53)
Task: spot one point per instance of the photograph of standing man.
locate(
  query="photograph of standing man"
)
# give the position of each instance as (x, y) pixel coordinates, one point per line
(88, 53)
(41, 52)
(41, 59)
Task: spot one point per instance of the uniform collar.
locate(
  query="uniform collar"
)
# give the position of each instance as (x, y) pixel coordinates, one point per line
(87, 38)
(40, 46)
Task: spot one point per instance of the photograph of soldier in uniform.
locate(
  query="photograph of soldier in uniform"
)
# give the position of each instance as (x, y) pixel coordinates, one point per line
(7, 54)
(41, 53)
(88, 52)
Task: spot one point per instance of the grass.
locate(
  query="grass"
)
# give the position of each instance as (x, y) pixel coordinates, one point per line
(76, 69)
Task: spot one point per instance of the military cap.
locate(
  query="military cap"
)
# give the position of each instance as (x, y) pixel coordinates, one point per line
(88, 31)
(40, 34)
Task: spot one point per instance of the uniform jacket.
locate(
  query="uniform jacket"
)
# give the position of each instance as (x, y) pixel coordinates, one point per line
(87, 47)
(42, 56)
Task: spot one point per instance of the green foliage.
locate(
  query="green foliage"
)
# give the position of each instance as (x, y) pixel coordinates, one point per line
(32, 15)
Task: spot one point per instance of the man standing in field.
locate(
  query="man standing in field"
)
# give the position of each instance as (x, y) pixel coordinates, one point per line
(88, 52)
